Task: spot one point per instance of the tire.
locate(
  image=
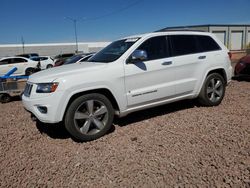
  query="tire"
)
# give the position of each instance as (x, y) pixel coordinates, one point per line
(213, 90)
(5, 98)
(29, 71)
(89, 117)
(49, 66)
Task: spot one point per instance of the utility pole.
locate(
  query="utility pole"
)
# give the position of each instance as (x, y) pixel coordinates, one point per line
(75, 22)
(22, 40)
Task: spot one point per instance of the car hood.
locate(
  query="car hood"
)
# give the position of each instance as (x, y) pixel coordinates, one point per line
(49, 75)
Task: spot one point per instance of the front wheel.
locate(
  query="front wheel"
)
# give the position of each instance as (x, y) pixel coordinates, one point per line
(213, 90)
(89, 117)
(49, 66)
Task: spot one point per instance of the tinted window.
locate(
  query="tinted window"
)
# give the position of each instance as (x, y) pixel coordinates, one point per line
(35, 58)
(43, 58)
(86, 58)
(183, 44)
(67, 55)
(4, 62)
(17, 60)
(72, 59)
(156, 48)
(206, 44)
(34, 54)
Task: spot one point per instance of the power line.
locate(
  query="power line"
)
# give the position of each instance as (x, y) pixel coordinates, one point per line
(74, 20)
(113, 12)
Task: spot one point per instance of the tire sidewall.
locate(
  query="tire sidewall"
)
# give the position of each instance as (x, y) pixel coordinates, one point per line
(49, 66)
(69, 117)
(29, 71)
(203, 95)
(5, 98)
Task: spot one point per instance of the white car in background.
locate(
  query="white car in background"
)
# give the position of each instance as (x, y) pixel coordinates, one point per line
(24, 66)
(46, 62)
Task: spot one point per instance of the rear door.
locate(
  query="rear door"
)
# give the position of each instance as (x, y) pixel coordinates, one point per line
(20, 63)
(153, 79)
(188, 61)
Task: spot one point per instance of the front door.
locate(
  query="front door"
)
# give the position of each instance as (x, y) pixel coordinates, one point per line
(153, 79)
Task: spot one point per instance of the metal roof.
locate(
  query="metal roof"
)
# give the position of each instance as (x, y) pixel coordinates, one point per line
(206, 25)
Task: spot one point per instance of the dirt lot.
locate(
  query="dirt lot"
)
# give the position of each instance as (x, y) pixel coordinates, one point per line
(180, 144)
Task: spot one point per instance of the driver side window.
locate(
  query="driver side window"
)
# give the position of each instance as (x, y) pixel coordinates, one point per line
(156, 48)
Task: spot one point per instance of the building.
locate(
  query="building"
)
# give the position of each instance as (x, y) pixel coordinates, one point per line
(50, 49)
(235, 37)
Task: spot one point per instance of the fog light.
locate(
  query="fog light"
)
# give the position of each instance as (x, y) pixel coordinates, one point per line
(42, 109)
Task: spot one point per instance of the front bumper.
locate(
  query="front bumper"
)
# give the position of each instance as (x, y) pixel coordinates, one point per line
(50, 102)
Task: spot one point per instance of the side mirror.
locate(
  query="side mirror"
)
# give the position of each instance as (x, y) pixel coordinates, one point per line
(138, 55)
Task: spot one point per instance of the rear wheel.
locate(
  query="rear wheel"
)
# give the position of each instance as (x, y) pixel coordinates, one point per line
(89, 117)
(213, 90)
(49, 66)
(4, 98)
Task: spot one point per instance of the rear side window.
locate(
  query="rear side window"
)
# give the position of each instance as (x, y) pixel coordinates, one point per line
(4, 62)
(66, 55)
(43, 58)
(207, 44)
(18, 60)
(183, 44)
(156, 47)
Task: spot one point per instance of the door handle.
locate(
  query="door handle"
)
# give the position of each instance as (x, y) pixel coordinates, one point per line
(167, 63)
(202, 57)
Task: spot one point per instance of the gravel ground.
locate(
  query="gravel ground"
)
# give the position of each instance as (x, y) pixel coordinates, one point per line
(179, 144)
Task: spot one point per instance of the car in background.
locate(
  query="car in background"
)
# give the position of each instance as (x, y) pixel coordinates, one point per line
(78, 58)
(46, 62)
(24, 66)
(61, 58)
(28, 55)
(242, 68)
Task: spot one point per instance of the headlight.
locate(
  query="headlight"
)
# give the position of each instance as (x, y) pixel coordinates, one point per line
(46, 87)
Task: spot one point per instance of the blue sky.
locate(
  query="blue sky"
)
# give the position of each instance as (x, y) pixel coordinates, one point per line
(43, 21)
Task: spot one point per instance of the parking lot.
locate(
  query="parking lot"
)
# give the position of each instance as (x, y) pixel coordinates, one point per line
(180, 144)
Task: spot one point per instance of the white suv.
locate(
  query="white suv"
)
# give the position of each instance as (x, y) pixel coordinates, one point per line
(130, 74)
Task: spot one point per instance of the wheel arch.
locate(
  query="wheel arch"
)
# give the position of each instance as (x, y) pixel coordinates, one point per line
(220, 71)
(104, 91)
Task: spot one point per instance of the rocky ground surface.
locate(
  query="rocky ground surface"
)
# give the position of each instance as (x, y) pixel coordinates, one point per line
(175, 145)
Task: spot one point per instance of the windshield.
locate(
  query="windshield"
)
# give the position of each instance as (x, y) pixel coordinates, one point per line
(73, 59)
(113, 51)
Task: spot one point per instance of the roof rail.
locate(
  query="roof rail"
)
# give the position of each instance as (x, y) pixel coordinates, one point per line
(173, 30)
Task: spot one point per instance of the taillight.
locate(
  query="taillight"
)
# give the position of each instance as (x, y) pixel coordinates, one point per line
(230, 55)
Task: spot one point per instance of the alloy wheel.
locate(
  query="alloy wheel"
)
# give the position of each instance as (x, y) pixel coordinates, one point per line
(215, 90)
(91, 117)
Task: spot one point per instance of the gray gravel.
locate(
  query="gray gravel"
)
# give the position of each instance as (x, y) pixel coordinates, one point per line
(179, 144)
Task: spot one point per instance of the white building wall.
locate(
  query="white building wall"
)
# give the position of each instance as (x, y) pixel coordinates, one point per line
(51, 49)
(221, 33)
(236, 40)
(248, 37)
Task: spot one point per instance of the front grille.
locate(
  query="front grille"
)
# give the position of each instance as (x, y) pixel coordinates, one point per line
(27, 89)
